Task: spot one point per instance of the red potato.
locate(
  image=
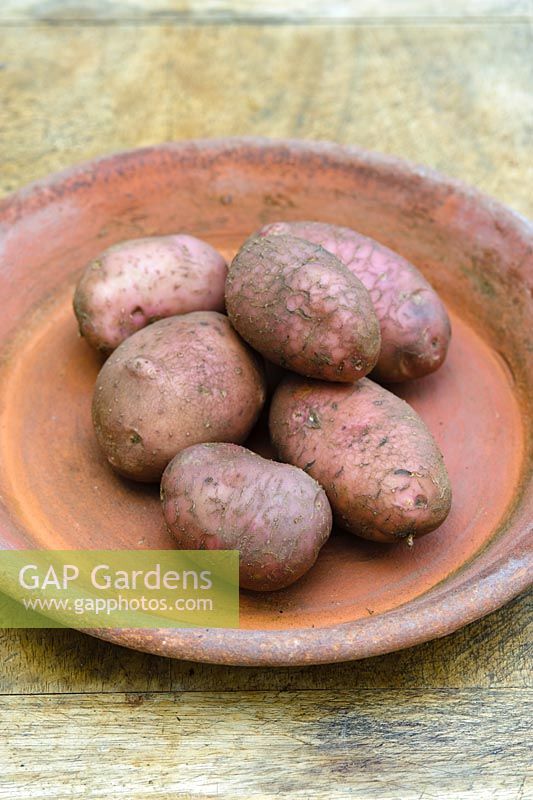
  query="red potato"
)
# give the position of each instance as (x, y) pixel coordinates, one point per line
(182, 380)
(415, 328)
(380, 466)
(224, 497)
(137, 282)
(302, 309)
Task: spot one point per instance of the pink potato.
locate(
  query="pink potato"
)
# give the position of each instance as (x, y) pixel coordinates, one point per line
(224, 497)
(137, 282)
(415, 329)
(380, 466)
(182, 380)
(302, 309)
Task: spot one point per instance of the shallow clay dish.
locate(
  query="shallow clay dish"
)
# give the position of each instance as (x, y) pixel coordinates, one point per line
(361, 598)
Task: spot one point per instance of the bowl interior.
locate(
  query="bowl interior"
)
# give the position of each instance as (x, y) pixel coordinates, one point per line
(56, 489)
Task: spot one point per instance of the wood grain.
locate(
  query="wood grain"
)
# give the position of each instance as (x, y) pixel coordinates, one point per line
(446, 84)
(490, 653)
(365, 744)
(457, 99)
(303, 11)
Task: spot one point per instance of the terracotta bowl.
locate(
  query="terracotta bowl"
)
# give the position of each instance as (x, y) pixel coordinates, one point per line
(360, 599)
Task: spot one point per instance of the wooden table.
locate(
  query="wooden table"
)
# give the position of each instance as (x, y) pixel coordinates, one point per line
(449, 85)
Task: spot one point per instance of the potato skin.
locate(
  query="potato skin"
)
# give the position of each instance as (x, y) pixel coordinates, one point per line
(380, 466)
(224, 497)
(182, 380)
(139, 281)
(302, 309)
(415, 328)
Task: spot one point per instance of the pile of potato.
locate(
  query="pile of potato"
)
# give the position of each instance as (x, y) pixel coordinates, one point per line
(184, 385)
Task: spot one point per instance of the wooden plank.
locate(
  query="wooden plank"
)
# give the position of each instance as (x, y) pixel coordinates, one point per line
(60, 107)
(457, 99)
(303, 11)
(365, 744)
(494, 652)
(490, 653)
(67, 661)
